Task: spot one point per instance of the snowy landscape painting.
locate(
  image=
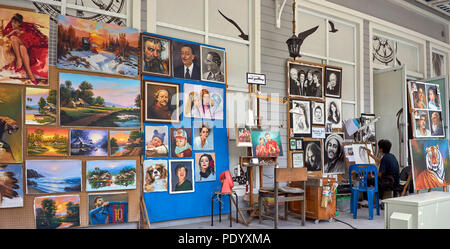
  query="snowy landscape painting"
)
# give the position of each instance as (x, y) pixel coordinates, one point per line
(97, 47)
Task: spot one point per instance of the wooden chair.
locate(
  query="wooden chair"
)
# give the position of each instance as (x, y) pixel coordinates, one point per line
(290, 193)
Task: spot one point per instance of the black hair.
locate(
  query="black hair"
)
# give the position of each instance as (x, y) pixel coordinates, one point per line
(204, 125)
(215, 57)
(385, 145)
(179, 167)
(209, 169)
(17, 17)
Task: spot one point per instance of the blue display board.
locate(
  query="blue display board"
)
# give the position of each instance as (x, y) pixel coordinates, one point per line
(163, 206)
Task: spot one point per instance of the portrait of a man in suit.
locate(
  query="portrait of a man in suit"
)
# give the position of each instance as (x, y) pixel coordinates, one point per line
(185, 60)
(213, 64)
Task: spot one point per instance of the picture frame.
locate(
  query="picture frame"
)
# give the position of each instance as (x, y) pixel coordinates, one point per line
(266, 143)
(299, 144)
(296, 159)
(333, 81)
(368, 134)
(160, 104)
(173, 178)
(292, 144)
(299, 74)
(334, 112)
(318, 112)
(213, 64)
(313, 155)
(161, 66)
(300, 117)
(193, 56)
(243, 135)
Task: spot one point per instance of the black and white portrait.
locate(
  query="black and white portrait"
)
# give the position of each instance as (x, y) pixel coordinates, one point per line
(305, 80)
(213, 64)
(334, 157)
(360, 154)
(300, 117)
(313, 154)
(333, 82)
(186, 60)
(368, 131)
(318, 112)
(333, 112)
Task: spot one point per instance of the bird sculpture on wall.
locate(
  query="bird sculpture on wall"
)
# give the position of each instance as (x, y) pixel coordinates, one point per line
(333, 29)
(242, 35)
(302, 35)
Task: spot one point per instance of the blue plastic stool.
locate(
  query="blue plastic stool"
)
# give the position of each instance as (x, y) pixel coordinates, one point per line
(363, 171)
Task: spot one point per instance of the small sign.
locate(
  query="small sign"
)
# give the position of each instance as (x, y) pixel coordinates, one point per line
(256, 78)
(318, 132)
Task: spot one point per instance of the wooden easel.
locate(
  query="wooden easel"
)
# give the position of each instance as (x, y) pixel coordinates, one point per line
(143, 222)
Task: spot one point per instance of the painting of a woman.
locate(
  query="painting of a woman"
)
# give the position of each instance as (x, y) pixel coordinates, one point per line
(206, 104)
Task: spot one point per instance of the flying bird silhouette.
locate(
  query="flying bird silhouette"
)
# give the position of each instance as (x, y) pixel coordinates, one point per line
(302, 35)
(242, 35)
(333, 30)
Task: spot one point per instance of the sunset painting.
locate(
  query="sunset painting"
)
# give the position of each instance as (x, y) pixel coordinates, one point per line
(97, 47)
(57, 212)
(48, 142)
(40, 106)
(126, 143)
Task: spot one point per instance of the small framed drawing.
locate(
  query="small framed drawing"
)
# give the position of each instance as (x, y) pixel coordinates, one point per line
(292, 144)
(299, 144)
(333, 81)
(318, 113)
(243, 135)
(300, 117)
(297, 160)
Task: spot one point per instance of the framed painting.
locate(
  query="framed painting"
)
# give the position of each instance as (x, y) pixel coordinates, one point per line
(156, 55)
(318, 113)
(181, 177)
(11, 187)
(11, 144)
(40, 106)
(300, 118)
(266, 143)
(156, 141)
(297, 159)
(334, 154)
(203, 102)
(243, 135)
(213, 64)
(313, 155)
(110, 175)
(333, 81)
(186, 60)
(155, 176)
(162, 102)
(57, 212)
(304, 79)
(47, 141)
(126, 143)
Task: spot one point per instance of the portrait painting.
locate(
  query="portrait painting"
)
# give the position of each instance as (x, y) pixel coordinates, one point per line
(180, 142)
(348, 150)
(104, 175)
(418, 95)
(243, 135)
(24, 53)
(436, 125)
(155, 176)
(368, 129)
(203, 102)
(57, 212)
(313, 155)
(156, 55)
(213, 64)
(430, 163)
(11, 187)
(181, 177)
(40, 106)
(334, 154)
(97, 101)
(126, 143)
(205, 167)
(300, 117)
(304, 80)
(266, 143)
(186, 60)
(162, 102)
(333, 112)
(53, 176)
(108, 208)
(433, 96)
(203, 135)
(318, 112)
(333, 82)
(360, 154)
(422, 124)
(88, 45)
(48, 142)
(156, 141)
(88, 142)
(11, 145)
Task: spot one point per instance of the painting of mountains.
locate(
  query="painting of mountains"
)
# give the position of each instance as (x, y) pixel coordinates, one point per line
(40, 108)
(88, 142)
(48, 142)
(97, 47)
(110, 175)
(57, 212)
(11, 190)
(126, 143)
(53, 176)
(87, 100)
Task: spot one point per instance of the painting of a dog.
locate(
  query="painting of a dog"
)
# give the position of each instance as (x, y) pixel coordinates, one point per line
(155, 175)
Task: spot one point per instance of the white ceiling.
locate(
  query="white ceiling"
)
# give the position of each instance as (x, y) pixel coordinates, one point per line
(443, 6)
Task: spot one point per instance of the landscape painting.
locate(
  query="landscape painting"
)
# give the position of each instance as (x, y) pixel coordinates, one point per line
(53, 176)
(126, 143)
(40, 106)
(11, 189)
(57, 212)
(48, 142)
(11, 145)
(24, 51)
(110, 175)
(87, 100)
(97, 47)
(108, 208)
(88, 142)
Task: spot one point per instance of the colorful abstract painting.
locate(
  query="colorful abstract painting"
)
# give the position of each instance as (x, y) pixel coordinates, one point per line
(88, 142)
(108, 208)
(11, 146)
(126, 143)
(48, 142)
(11, 187)
(57, 212)
(40, 106)
(110, 175)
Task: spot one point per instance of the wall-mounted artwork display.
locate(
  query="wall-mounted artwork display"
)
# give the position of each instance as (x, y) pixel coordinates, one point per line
(367, 133)
(48, 142)
(40, 106)
(299, 144)
(318, 113)
(437, 130)
(11, 145)
(156, 55)
(126, 143)
(304, 79)
(155, 176)
(292, 144)
(24, 39)
(88, 142)
(430, 163)
(108, 208)
(97, 47)
(333, 82)
(57, 212)
(203, 102)
(333, 112)
(297, 160)
(243, 135)
(162, 102)
(300, 117)
(156, 141)
(361, 155)
(205, 167)
(53, 176)
(87, 100)
(180, 142)
(110, 175)
(213, 64)
(266, 143)
(418, 95)
(181, 176)
(203, 135)
(11, 187)
(186, 60)
(334, 154)
(313, 154)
